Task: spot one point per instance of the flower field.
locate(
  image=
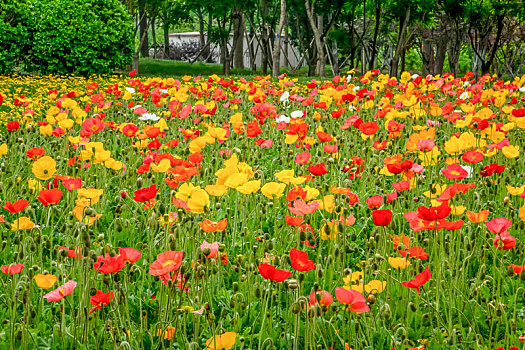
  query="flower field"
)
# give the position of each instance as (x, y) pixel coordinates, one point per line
(362, 212)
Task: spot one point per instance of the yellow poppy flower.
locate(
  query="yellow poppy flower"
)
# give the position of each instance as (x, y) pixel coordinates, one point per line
(273, 190)
(22, 223)
(45, 281)
(44, 168)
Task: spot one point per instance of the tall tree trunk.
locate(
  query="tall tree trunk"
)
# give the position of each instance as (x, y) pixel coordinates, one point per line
(276, 55)
(265, 38)
(317, 29)
(141, 43)
(335, 59)
(485, 64)
(207, 51)
(427, 54)
(143, 28)
(441, 52)
(154, 37)
(400, 43)
(372, 63)
(166, 29)
(251, 36)
(238, 38)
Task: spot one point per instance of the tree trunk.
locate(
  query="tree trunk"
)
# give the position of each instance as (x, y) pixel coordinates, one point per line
(143, 28)
(441, 52)
(400, 43)
(276, 55)
(141, 43)
(207, 52)
(251, 36)
(428, 55)
(238, 39)
(166, 29)
(265, 39)
(317, 29)
(372, 63)
(485, 65)
(335, 59)
(154, 37)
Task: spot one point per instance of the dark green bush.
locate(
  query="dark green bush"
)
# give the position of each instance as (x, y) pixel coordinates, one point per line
(79, 36)
(14, 35)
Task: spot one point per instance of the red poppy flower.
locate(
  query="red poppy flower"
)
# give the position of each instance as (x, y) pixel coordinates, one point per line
(318, 169)
(35, 153)
(498, 225)
(426, 145)
(382, 217)
(300, 261)
(451, 191)
(374, 202)
(352, 198)
(391, 197)
(72, 184)
(293, 220)
(92, 126)
(13, 269)
(492, 169)
(17, 206)
(418, 280)
(75, 252)
(401, 185)
(13, 126)
(434, 213)
(129, 255)
(400, 167)
(301, 208)
(330, 148)
(454, 172)
(369, 128)
(517, 268)
(472, 157)
(109, 264)
(272, 273)
(354, 300)
(49, 197)
(100, 300)
(324, 137)
(380, 145)
(130, 130)
(324, 299)
(302, 158)
(166, 262)
(415, 252)
(504, 241)
(62, 291)
(145, 194)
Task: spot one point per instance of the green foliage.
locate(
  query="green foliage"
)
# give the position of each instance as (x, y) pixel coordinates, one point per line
(80, 36)
(13, 33)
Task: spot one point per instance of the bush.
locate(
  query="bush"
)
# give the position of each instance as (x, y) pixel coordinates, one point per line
(13, 34)
(80, 36)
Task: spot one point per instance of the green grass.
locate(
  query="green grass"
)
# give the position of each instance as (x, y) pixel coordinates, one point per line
(156, 67)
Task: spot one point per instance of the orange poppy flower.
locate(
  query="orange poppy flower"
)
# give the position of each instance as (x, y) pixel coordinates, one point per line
(213, 226)
(482, 216)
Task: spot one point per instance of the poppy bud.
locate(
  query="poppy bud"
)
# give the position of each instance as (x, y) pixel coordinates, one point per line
(92, 292)
(412, 307)
(301, 277)
(295, 308)
(522, 275)
(510, 272)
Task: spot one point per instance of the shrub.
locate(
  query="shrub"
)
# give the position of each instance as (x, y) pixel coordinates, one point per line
(13, 34)
(80, 36)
